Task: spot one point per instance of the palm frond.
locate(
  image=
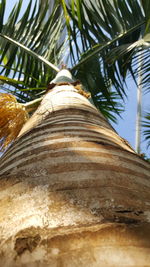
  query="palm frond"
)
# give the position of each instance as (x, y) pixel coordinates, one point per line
(30, 52)
(112, 31)
(107, 101)
(33, 34)
(146, 124)
(112, 109)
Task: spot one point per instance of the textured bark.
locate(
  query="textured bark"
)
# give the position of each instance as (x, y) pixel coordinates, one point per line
(72, 192)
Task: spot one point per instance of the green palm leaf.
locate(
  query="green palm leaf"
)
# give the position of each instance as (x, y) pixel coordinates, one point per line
(146, 124)
(112, 31)
(29, 43)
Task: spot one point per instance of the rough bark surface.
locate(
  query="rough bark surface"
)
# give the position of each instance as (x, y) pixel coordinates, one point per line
(72, 192)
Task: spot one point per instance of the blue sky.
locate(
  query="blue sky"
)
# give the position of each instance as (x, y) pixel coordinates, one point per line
(126, 125)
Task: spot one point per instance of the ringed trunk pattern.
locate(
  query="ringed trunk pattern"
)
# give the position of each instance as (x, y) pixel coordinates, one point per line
(73, 193)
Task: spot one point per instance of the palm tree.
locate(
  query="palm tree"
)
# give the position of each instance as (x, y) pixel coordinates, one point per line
(106, 36)
(72, 191)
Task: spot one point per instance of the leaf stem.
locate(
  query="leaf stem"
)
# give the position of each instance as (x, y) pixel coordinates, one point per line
(99, 49)
(32, 105)
(30, 52)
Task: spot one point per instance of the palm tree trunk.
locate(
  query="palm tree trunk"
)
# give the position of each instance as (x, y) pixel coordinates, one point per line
(73, 193)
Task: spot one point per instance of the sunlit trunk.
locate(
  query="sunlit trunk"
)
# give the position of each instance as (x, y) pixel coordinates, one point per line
(73, 193)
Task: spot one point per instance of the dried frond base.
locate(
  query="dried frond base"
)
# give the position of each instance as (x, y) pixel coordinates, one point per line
(81, 91)
(77, 85)
(12, 117)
